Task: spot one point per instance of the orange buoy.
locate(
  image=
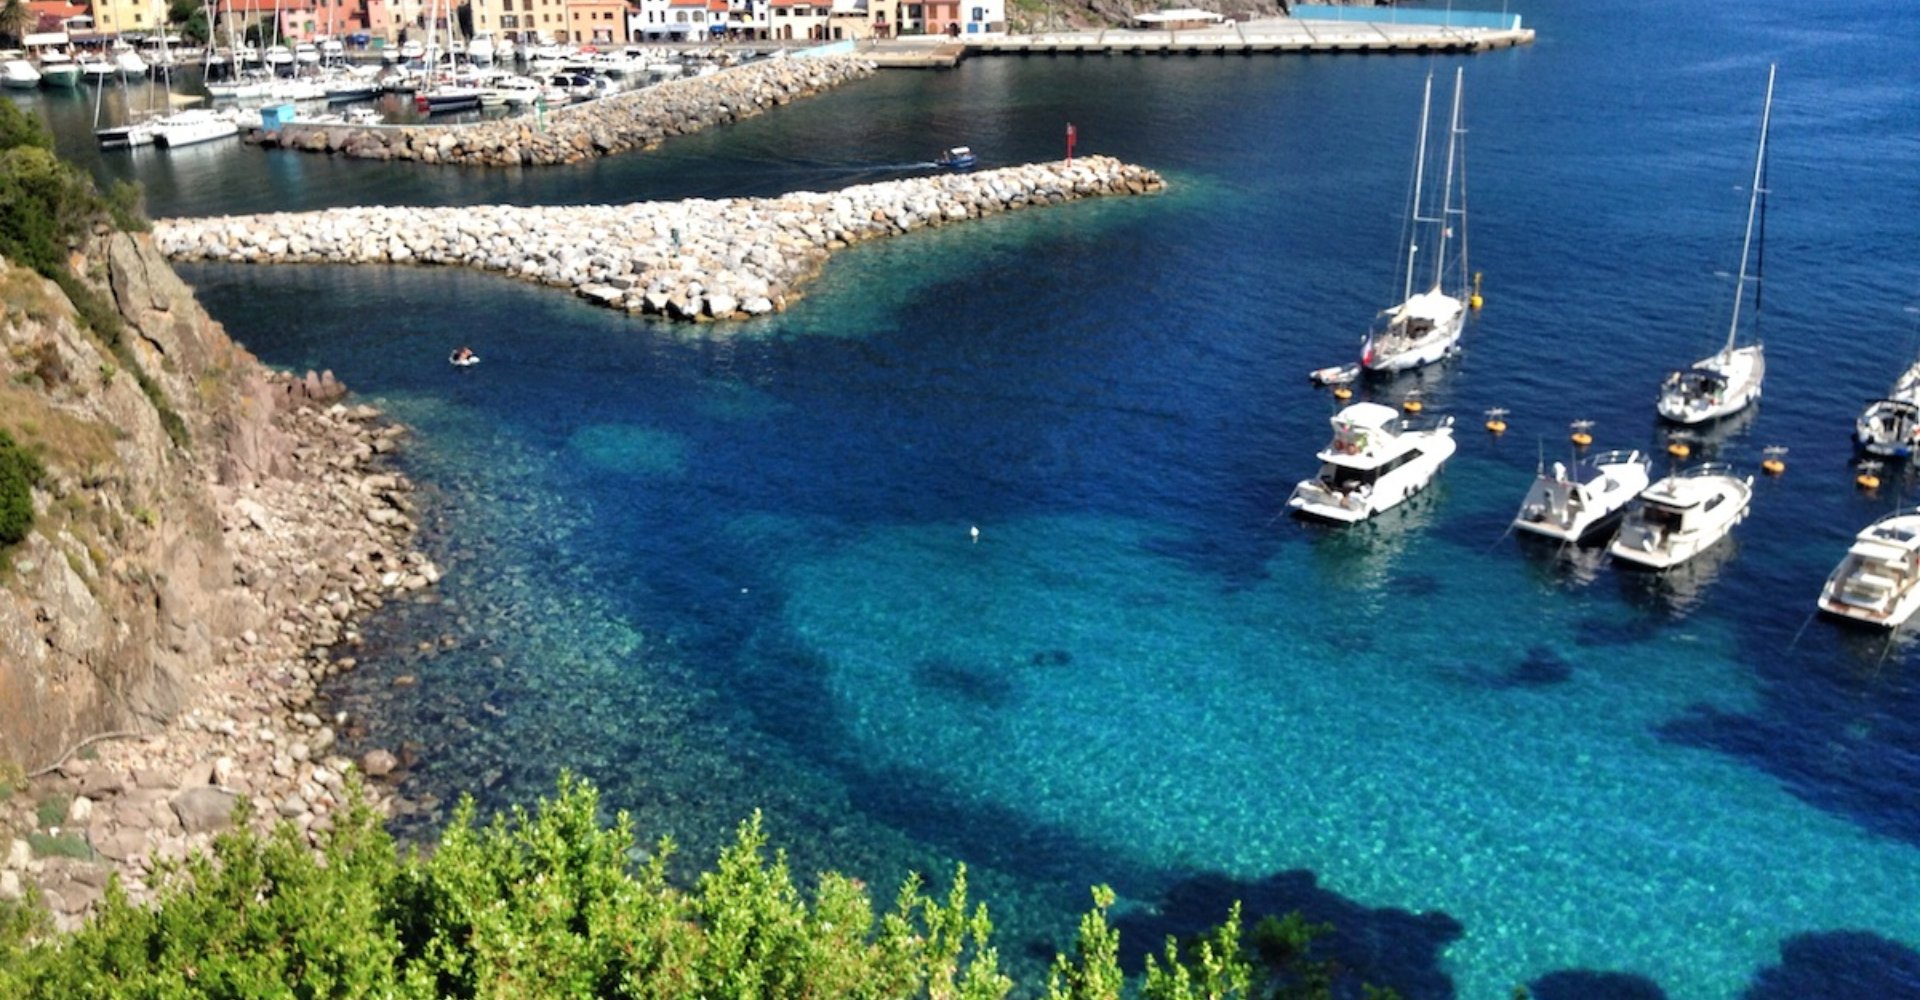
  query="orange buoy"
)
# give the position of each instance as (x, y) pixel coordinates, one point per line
(1497, 420)
(1869, 477)
(1679, 449)
(1411, 405)
(1775, 463)
(1342, 393)
(1580, 436)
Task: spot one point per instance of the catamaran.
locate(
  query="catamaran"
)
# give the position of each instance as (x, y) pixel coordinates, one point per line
(1426, 325)
(1728, 381)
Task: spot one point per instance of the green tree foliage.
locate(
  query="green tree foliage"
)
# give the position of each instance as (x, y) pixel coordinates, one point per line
(552, 902)
(16, 19)
(20, 471)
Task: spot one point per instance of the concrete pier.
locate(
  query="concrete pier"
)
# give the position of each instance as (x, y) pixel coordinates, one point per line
(1269, 36)
(692, 260)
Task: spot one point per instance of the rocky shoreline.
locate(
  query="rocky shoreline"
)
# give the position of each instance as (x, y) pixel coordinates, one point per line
(634, 120)
(317, 551)
(691, 260)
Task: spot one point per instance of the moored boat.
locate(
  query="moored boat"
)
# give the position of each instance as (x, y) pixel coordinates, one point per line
(17, 73)
(1728, 381)
(1426, 325)
(1376, 460)
(57, 69)
(1890, 427)
(197, 125)
(1682, 515)
(1878, 582)
(1570, 504)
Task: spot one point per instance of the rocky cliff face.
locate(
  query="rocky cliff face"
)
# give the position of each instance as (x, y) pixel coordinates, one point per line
(119, 598)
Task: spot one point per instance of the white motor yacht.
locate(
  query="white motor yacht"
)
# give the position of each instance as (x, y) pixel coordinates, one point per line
(95, 67)
(16, 72)
(1890, 427)
(1572, 504)
(1682, 515)
(480, 50)
(196, 125)
(127, 62)
(1878, 583)
(57, 69)
(306, 54)
(1377, 459)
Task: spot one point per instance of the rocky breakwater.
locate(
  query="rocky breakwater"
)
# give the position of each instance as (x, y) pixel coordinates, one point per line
(201, 548)
(695, 259)
(633, 120)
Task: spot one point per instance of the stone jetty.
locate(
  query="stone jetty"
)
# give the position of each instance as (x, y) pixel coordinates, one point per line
(694, 260)
(633, 120)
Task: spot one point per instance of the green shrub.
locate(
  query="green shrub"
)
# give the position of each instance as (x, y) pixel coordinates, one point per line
(67, 845)
(20, 472)
(52, 810)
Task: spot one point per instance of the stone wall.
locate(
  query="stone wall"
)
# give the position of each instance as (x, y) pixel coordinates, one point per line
(632, 120)
(696, 259)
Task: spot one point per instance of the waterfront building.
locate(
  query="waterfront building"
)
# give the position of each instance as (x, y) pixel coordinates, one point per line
(953, 17)
(537, 21)
(306, 20)
(119, 17)
(862, 19)
(59, 15)
(748, 19)
(681, 20)
(789, 19)
(596, 22)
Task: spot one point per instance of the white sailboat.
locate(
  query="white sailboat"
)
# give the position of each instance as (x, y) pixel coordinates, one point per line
(1728, 381)
(1426, 325)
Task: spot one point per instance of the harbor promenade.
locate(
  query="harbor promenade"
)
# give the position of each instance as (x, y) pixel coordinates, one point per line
(691, 260)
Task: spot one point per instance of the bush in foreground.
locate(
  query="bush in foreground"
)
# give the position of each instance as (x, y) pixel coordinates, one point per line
(547, 903)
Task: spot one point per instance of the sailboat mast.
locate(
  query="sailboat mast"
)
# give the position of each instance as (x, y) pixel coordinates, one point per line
(1419, 175)
(1753, 207)
(1446, 187)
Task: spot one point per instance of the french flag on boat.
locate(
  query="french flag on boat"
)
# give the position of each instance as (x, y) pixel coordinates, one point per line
(1366, 350)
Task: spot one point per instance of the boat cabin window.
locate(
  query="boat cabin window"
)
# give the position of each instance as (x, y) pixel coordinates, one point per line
(1662, 517)
(1715, 502)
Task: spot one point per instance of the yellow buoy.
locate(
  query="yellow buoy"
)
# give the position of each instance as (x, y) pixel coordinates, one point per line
(1580, 437)
(1475, 300)
(1776, 462)
(1867, 481)
(1497, 420)
(1411, 405)
(1679, 449)
(1342, 393)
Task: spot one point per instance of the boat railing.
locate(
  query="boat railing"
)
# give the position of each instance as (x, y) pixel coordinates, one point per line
(1708, 469)
(1423, 422)
(1618, 456)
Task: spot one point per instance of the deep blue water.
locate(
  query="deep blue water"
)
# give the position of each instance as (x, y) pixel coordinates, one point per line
(728, 569)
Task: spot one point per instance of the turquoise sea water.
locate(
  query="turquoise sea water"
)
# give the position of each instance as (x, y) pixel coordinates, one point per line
(720, 570)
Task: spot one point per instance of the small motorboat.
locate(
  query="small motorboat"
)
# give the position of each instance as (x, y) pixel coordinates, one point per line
(957, 158)
(1875, 583)
(1890, 427)
(1335, 374)
(462, 358)
(1683, 515)
(1571, 504)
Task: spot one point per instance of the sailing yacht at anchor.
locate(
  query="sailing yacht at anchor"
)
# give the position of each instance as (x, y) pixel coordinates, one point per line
(1426, 325)
(1728, 381)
